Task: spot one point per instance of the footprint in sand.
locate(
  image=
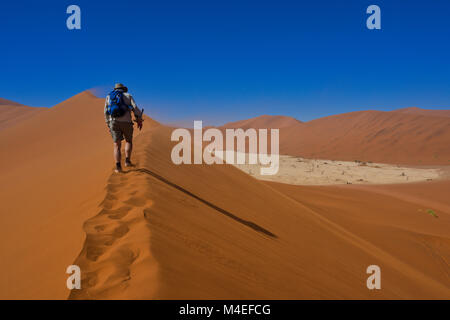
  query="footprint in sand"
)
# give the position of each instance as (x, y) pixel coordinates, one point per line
(121, 210)
(137, 201)
(119, 213)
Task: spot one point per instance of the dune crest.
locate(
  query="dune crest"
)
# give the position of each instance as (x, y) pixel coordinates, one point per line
(262, 122)
(12, 113)
(116, 252)
(424, 112)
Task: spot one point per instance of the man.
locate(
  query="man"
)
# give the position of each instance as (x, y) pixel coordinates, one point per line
(118, 106)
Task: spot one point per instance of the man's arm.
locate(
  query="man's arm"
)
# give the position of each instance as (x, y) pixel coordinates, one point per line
(137, 112)
(105, 110)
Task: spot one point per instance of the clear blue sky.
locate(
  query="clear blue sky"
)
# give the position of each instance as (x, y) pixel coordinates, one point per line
(228, 60)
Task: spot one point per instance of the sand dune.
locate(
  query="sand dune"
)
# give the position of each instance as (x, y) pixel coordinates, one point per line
(197, 231)
(13, 112)
(263, 122)
(376, 136)
(424, 112)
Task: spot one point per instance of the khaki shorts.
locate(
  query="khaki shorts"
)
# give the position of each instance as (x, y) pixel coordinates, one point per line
(120, 130)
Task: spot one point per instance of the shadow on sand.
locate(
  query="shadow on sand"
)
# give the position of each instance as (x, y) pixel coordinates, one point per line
(247, 223)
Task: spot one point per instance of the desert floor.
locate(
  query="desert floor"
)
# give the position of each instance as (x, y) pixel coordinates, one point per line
(300, 171)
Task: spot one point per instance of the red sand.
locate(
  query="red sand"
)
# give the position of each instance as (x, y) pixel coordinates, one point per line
(197, 231)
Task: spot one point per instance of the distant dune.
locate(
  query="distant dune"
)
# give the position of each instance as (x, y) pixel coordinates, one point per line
(263, 122)
(12, 112)
(424, 112)
(163, 231)
(386, 137)
(9, 102)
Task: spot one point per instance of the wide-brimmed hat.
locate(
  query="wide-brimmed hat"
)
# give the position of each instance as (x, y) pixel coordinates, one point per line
(120, 86)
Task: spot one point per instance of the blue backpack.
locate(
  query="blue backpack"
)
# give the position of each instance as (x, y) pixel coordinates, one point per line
(116, 107)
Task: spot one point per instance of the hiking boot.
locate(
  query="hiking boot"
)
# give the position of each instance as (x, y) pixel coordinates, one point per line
(118, 168)
(128, 163)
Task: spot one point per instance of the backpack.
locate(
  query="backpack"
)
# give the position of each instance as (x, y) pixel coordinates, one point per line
(116, 107)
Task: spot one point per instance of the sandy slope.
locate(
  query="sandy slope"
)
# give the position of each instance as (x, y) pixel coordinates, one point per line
(376, 136)
(13, 112)
(263, 122)
(393, 218)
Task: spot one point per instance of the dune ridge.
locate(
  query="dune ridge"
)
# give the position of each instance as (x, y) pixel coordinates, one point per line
(116, 253)
(263, 122)
(424, 112)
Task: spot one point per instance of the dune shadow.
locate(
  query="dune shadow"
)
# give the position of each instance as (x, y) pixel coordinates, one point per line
(247, 223)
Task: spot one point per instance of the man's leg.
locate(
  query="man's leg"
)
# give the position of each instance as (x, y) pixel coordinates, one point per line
(117, 155)
(128, 133)
(128, 150)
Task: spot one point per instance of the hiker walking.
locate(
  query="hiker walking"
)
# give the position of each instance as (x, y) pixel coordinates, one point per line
(118, 106)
